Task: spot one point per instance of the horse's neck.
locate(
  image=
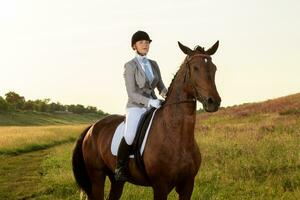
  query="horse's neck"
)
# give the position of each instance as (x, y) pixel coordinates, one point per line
(181, 115)
(178, 96)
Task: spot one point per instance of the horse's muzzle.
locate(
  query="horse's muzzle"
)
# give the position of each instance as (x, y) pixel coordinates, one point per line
(211, 105)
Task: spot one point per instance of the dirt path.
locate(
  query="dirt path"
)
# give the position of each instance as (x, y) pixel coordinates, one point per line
(20, 176)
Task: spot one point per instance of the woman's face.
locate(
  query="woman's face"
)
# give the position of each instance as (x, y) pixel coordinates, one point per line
(142, 46)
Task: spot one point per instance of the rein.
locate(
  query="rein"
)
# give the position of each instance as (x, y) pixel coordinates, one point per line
(179, 102)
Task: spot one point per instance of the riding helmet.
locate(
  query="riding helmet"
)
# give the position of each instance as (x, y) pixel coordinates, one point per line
(139, 35)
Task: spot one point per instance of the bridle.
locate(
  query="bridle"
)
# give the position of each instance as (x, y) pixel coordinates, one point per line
(187, 72)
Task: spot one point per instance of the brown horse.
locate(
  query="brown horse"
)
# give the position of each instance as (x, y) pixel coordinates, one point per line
(171, 155)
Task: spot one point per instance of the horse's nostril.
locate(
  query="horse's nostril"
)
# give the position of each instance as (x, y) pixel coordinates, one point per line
(210, 100)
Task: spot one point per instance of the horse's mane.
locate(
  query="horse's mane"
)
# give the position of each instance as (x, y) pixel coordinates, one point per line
(172, 83)
(170, 88)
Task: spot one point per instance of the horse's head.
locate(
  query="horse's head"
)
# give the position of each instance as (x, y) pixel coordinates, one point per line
(200, 75)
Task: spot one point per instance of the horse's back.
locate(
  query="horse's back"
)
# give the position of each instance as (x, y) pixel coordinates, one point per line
(104, 129)
(107, 124)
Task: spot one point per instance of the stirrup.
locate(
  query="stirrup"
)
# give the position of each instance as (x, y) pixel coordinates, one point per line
(121, 174)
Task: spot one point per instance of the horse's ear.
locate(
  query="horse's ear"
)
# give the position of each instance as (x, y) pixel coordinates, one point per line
(185, 49)
(212, 49)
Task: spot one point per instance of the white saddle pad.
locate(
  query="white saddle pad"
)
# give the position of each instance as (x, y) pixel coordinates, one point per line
(118, 135)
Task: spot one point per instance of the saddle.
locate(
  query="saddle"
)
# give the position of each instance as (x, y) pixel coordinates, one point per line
(139, 139)
(142, 133)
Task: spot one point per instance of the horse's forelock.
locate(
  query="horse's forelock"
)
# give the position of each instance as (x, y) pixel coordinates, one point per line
(199, 49)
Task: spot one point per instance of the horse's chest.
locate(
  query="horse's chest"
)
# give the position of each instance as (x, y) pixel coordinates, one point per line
(187, 162)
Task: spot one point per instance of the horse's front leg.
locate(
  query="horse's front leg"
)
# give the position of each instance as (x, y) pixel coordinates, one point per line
(185, 189)
(161, 192)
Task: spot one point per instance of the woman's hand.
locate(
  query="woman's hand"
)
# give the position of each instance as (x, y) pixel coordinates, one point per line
(154, 103)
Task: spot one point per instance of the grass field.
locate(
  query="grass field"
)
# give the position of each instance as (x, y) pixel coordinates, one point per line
(15, 139)
(249, 152)
(33, 118)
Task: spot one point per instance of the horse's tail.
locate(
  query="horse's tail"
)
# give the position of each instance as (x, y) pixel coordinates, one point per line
(79, 169)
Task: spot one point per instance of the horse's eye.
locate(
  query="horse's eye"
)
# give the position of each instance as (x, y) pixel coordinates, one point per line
(196, 68)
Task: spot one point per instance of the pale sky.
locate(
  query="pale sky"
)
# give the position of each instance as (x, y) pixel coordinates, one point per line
(74, 51)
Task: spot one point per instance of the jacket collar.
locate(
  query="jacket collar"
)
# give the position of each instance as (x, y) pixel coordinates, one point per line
(138, 65)
(140, 57)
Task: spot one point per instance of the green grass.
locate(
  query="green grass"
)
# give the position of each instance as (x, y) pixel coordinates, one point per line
(248, 156)
(240, 161)
(252, 157)
(32, 118)
(57, 174)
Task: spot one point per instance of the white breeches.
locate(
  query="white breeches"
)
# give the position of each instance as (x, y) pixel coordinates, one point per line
(133, 115)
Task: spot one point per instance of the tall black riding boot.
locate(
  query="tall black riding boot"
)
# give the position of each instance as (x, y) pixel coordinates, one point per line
(121, 171)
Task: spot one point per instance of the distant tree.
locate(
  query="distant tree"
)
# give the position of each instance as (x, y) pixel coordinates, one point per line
(91, 109)
(79, 109)
(101, 112)
(42, 105)
(3, 104)
(57, 107)
(63, 107)
(71, 107)
(29, 105)
(14, 100)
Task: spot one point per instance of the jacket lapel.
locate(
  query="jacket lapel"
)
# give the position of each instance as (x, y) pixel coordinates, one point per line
(154, 72)
(136, 62)
(139, 67)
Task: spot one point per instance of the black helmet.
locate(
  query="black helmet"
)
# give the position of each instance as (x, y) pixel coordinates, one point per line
(139, 35)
